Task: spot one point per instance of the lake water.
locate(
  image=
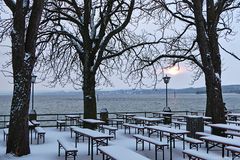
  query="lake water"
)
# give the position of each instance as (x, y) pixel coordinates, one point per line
(120, 102)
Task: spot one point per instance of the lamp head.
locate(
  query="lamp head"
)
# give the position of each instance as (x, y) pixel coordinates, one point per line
(33, 80)
(166, 79)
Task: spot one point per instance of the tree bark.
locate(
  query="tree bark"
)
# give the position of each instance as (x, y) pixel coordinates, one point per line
(90, 107)
(18, 138)
(23, 60)
(212, 70)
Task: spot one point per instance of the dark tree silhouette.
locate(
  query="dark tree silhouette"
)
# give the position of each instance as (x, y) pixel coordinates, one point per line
(84, 42)
(24, 25)
(195, 37)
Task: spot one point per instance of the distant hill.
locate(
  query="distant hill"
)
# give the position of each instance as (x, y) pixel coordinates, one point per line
(191, 90)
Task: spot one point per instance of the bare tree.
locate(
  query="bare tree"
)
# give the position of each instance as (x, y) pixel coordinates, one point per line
(195, 37)
(23, 28)
(84, 42)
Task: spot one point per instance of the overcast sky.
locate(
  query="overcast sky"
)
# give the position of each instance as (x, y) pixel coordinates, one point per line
(183, 79)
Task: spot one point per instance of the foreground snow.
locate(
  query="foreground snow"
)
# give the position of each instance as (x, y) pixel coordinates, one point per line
(48, 150)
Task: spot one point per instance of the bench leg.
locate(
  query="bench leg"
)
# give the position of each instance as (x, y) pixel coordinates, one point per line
(59, 146)
(43, 138)
(38, 136)
(155, 152)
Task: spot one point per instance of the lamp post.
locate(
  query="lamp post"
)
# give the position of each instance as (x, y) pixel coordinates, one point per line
(33, 80)
(166, 80)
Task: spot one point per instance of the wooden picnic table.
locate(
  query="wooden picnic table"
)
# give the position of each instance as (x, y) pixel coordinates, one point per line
(72, 118)
(31, 127)
(172, 132)
(225, 126)
(127, 116)
(94, 121)
(148, 121)
(233, 116)
(93, 136)
(161, 114)
(120, 153)
(218, 140)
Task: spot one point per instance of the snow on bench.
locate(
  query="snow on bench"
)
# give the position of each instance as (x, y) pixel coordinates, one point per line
(129, 126)
(203, 134)
(60, 124)
(39, 133)
(178, 124)
(193, 154)
(233, 122)
(111, 130)
(232, 133)
(116, 122)
(35, 123)
(193, 143)
(72, 128)
(158, 144)
(120, 153)
(234, 150)
(70, 151)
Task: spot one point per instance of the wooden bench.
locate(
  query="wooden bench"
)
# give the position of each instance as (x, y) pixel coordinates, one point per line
(232, 133)
(111, 130)
(158, 145)
(70, 151)
(178, 124)
(72, 128)
(198, 155)
(117, 122)
(193, 143)
(137, 128)
(201, 134)
(60, 124)
(5, 134)
(234, 150)
(39, 133)
(233, 122)
(120, 153)
(35, 123)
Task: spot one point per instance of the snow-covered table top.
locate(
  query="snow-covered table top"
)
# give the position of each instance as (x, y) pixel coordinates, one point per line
(225, 126)
(91, 133)
(221, 140)
(234, 114)
(165, 113)
(72, 116)
(93, 121)
(121, 153)
(148, 119)
(168, 130)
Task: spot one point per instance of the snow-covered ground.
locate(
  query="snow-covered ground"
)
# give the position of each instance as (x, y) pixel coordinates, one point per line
(48, 150)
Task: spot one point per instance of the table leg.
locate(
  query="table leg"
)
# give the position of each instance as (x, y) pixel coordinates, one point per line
(207, 146)
(183, 141)
(76, 139)
(223, 146)
(89, 145)
(31, 135)
(91, 149)
(170, 146)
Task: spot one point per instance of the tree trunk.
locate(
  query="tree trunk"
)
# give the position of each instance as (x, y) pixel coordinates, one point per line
(215, 106)
(24, 36)
(211, 68)
(18, 138)
(90, 108)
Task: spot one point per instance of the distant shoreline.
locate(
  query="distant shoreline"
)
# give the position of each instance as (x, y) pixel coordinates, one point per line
(235, 89)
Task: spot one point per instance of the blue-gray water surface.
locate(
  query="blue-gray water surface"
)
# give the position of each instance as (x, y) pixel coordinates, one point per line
(71, 103)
